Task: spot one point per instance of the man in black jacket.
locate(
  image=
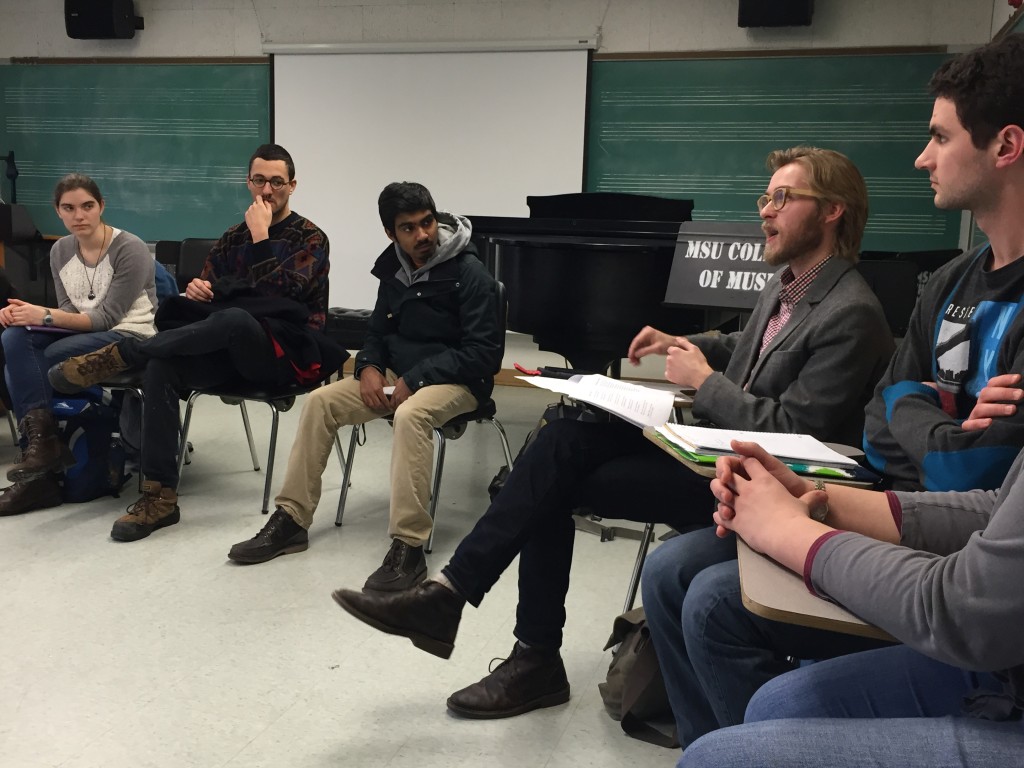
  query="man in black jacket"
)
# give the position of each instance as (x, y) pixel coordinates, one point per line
(433, 338)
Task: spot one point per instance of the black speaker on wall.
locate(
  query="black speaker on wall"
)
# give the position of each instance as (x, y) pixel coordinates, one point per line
(776, 13)
(101, 19)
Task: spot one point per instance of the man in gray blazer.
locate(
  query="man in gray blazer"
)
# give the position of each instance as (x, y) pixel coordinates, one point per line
(807, 361)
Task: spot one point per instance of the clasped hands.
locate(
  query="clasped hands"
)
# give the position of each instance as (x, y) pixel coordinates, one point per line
(371, 390)
(18, 312)
(757, 494)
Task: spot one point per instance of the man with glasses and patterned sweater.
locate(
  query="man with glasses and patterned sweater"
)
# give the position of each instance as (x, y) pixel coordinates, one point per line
(254, 315)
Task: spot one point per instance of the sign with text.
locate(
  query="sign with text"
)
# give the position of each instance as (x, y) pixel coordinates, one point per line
(718, 264)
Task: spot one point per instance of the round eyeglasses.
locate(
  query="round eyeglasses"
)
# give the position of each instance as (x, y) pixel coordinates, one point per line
(261, 181)
(779, 197)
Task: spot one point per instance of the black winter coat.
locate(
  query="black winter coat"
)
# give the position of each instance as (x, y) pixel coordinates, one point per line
(443, 330)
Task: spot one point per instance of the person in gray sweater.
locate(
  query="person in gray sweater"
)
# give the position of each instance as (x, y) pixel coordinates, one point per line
(939, 571)
(104, 281)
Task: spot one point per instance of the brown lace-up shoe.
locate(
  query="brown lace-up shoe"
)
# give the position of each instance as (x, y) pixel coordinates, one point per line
(157, 508)
(45, 452)
(82, 371)
(280, 536)
(427, 614)
(41, 493)
(530, 678)
(404, 566)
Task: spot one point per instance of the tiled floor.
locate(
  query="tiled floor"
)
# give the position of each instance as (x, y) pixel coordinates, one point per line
(163, 653)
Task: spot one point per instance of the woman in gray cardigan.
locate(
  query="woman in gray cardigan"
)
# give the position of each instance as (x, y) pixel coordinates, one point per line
(104, 281)
(941, 572)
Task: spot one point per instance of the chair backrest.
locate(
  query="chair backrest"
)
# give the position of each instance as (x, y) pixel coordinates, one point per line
(168, 253)
(192, 259)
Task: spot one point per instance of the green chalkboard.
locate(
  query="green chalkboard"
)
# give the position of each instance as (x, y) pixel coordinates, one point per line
(167, 143)
(701, 129)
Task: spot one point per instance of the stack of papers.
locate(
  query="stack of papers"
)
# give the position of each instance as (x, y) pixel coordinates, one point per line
(803, 454)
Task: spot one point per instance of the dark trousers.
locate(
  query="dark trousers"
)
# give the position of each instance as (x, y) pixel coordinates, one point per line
(228, 347)
(612, 469)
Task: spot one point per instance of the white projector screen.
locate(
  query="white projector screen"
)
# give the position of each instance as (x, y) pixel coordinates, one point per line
(480, 130)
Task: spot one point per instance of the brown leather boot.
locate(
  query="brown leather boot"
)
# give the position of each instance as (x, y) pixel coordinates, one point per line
(45, 453)
(41, 493)
(157, 508)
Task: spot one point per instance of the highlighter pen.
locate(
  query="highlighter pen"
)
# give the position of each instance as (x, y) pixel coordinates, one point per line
(811, 469)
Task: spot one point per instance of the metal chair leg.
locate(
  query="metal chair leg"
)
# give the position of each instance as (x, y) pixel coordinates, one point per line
(504, 440)
(14, 428)
(634, 581)
(346, 474)
(270, 456)
(183, 445)
(248, 436)
(435, 490)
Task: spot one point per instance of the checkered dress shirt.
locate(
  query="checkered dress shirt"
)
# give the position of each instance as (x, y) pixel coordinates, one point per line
(793, 289)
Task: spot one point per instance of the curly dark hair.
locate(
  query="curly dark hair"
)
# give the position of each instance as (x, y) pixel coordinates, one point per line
(987, 87)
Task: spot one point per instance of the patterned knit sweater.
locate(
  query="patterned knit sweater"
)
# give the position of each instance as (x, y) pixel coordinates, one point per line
(292, 263)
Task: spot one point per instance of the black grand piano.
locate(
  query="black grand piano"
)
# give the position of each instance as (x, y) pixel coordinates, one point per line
(586, 271)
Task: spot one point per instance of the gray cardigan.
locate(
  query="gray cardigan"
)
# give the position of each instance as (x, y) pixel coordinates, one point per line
(817, 374)
(953, 589)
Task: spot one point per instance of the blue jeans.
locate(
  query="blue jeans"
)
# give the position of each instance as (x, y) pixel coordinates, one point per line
(30, 354)
(715, 654)
(888, 708)
(610, 468)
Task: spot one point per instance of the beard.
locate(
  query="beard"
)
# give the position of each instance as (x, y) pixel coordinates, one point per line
(799, 243)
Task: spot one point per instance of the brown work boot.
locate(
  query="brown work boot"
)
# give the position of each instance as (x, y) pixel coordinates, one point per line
(428, 614)
(157, 508)
(41, 493)
(82, 371)
(529, 679)
(45, 452)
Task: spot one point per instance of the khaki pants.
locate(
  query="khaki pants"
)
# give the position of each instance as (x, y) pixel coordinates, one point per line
(337, 405)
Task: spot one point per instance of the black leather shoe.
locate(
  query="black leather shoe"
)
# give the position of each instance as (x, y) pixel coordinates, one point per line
(404, 567)
(427, 614)
(280, 536)
(530, 678)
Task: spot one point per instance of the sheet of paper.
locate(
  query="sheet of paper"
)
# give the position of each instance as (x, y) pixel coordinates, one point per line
(389, 391)
(637, 404)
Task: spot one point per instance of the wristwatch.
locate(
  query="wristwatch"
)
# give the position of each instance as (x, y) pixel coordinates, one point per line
(818, 514)
(47, 318)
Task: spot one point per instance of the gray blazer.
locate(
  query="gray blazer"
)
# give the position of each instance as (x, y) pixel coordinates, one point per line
(817, 374)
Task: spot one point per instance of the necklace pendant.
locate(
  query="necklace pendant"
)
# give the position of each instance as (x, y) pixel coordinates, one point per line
(91, 295)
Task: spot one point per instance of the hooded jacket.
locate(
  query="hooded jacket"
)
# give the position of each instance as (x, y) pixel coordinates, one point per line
(437, 324)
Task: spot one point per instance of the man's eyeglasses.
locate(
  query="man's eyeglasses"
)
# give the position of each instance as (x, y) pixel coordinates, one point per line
(779, 197)
(261, 181)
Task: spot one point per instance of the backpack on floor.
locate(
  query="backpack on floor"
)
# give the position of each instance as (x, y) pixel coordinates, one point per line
(634, 689)
(90, 430)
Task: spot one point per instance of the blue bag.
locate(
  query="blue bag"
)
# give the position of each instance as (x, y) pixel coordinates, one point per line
(90, 429)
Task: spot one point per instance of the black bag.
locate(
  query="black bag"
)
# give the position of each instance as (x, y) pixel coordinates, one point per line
(634, 690)
(90, 430)
(555, 411)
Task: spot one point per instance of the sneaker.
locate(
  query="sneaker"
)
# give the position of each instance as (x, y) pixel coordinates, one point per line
(404, 566)
(529, 679)
(157, 508)
(82, 371)
(280, 536)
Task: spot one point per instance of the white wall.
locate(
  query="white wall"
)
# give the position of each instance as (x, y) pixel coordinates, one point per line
(237, 27)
